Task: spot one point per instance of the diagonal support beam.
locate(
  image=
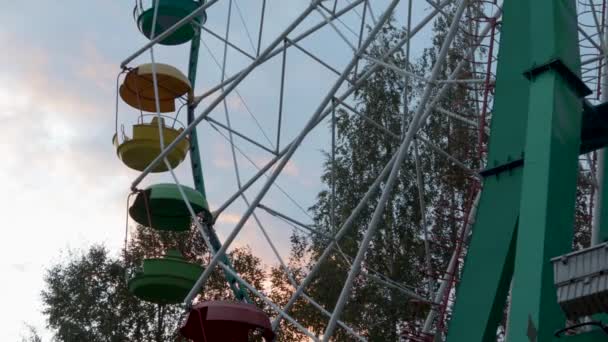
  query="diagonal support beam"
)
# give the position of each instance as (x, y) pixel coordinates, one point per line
(488, 265)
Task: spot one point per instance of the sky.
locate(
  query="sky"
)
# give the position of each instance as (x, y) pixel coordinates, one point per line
(65, 189)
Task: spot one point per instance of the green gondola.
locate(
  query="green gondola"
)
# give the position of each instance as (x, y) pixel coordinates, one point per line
(162, 207)
(165, 280)
(169, 13)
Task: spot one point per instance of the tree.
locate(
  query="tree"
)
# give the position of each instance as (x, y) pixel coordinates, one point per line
(32, 335)
(583, 211)
(86, 297)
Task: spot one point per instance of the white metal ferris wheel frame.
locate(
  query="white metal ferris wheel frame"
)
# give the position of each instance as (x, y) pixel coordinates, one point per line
(326, 108)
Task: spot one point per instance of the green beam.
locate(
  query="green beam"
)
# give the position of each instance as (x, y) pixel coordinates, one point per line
(482, 291)
(550, 173)
(195, 158)
(197, 171)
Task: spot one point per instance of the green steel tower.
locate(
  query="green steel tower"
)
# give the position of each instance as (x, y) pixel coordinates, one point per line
(526, 211)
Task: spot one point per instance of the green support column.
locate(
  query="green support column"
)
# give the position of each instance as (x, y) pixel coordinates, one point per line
(482, 291)
(195, 158)
(550, 173)
(197, 171)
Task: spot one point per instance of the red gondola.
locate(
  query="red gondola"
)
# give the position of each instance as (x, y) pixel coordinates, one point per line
(217, 321)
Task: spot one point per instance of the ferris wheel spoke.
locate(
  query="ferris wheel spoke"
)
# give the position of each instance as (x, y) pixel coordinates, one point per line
(223, 40)
(437, 7)
(368, 272)
(231, 131)
(368, 119)
(448, 156)
(261, 171)
(269, 302)
(215, 123)
(460, 118)
(455, 73)
(395, 68)
(406, 79)
(240, 14)
(371, 12)
(381, 278)
(316, 59)
(361, 28)
(423, 219)
(418, 136)
(274, 53)
(336, 29)
(346, 226)
(238, 94)
(261, 27)
(405, 40)
(290, 276)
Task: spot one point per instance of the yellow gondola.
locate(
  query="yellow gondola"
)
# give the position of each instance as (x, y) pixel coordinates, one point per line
(137, 88)
(140, 150)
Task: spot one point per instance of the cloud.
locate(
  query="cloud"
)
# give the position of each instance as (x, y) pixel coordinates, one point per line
(66, 184)
(97, 69)
(228, 218)
(233, 101)
(21, 267)
(290, 169)
(251, 236)
(221, 156)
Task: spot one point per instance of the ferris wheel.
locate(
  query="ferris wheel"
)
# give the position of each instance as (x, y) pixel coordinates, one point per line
(242, 40)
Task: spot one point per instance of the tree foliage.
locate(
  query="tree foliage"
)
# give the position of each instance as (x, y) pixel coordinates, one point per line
(86, 297)
(32, 334)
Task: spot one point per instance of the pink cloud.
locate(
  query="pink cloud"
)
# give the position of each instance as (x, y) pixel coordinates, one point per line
(221, 156)
(290, 169)
(97, 69)
(228, 218)
(35, 79)
(234, 101)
